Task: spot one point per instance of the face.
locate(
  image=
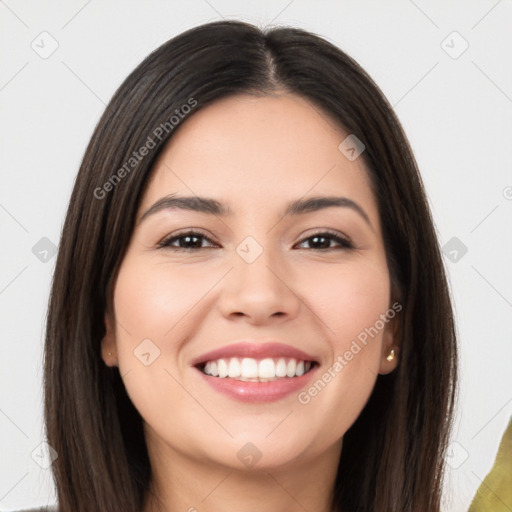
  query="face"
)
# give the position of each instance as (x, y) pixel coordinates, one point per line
(276, 290)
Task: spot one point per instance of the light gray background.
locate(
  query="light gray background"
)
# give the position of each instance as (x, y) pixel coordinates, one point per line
(455, 111)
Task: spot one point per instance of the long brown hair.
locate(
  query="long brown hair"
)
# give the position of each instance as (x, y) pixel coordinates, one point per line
(392, 456)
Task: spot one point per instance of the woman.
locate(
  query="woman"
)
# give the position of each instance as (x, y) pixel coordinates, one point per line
(249, 308)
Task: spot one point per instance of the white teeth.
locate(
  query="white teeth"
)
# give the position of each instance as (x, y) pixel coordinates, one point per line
(281, 368)
(291, 367)
(249, 369)
(267, 368)
(223, 368)
(233, 368)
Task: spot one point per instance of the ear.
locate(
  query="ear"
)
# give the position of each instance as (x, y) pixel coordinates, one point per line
(108, 343)
(391, 342)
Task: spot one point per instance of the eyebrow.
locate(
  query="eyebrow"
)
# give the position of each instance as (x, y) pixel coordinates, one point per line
(213, 207)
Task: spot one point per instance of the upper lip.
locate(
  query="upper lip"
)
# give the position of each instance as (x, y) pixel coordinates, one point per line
(253, 350)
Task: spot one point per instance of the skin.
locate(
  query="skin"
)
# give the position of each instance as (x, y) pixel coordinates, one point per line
(255, 154)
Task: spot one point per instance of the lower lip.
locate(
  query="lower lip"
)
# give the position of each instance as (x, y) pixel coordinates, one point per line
(257, 392)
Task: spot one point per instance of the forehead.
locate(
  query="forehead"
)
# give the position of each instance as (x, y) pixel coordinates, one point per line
(245, 149)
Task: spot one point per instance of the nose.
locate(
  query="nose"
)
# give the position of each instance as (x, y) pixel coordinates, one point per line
(260, 291)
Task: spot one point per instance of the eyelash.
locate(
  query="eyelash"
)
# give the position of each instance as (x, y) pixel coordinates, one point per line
(166, 243)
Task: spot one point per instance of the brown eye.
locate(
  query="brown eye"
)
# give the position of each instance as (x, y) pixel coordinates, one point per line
(187, 241)
(322, 241)
(193, 240)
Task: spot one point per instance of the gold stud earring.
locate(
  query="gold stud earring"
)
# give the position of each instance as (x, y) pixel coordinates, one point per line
(391, 355)
(110, 353)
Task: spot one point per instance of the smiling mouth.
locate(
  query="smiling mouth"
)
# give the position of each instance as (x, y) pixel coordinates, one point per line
(248, 369)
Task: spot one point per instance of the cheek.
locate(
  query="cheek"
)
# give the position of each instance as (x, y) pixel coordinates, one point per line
(151, 300)
(167, 305)
(151, 306)
(350, 301)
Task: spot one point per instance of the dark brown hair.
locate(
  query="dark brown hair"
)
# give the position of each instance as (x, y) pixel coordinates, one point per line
(392, 456)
